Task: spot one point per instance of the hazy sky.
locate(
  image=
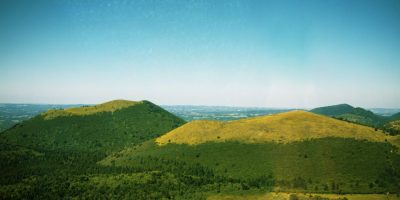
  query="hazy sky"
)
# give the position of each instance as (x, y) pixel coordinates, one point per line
(238, 53)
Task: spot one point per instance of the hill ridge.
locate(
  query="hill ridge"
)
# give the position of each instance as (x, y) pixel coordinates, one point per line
(285, 127)
(110, 106)
(104, 127)
(332, 110)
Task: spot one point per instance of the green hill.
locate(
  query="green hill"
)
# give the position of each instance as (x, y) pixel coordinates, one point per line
(52, 155)
(395, 117)
(282, 128)
(293, 151)
(360, 116)
(356, 115)
(136, 150)
(334, 110)
(106, 127)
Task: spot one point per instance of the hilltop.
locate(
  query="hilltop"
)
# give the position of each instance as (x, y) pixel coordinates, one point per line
(106, 127)
(110, 106)
(333, 110)
(61, 147)
(282, 128)
(356, 115)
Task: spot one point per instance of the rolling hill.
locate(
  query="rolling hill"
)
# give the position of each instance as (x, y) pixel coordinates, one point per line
(356, 115)
(282, 128)
(104, 127)
(333, 110)
(60, 147)
(293, 151)
(136, 150)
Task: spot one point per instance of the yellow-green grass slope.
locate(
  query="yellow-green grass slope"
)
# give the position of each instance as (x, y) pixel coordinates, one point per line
(110, 106)
(302, 151)
(282, 128)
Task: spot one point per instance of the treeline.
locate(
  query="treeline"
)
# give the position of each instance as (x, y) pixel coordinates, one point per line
(390, 131)
(65, 175)
(382, 127)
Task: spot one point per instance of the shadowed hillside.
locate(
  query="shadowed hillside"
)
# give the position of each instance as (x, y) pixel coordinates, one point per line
(293, 151)
(334, 110)
(53, 155)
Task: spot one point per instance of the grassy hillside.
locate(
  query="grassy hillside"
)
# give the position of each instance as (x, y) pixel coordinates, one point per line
(90, 110)
(293, 151)
(105, 127)
(283, 128)
(63, 156)
(54, 155)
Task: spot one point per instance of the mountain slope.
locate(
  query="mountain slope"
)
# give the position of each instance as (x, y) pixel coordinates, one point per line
(283, 128)
(395, 117)
(356, 115)
(333, 110)
(392, 127)
(53, 155)
(106, 127)
(293, 151)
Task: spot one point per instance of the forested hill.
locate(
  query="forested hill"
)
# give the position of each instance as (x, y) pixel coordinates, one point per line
(106, 127)
(356, 115)
(293, 151)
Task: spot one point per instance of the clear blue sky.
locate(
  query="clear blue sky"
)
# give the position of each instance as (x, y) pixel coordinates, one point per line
(239, 53)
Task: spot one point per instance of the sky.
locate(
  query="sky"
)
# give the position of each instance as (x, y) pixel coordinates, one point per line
(263, 53)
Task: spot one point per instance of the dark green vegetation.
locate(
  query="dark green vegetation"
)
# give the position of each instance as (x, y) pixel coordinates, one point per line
(222, 113)
(56, 158)
(358, 115)
(11, 114)
(392, 127)
(327, 165)
(334, 110)
(99, 132)
(108, 152)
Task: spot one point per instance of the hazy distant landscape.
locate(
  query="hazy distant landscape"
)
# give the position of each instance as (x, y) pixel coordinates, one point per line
(11, 114)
